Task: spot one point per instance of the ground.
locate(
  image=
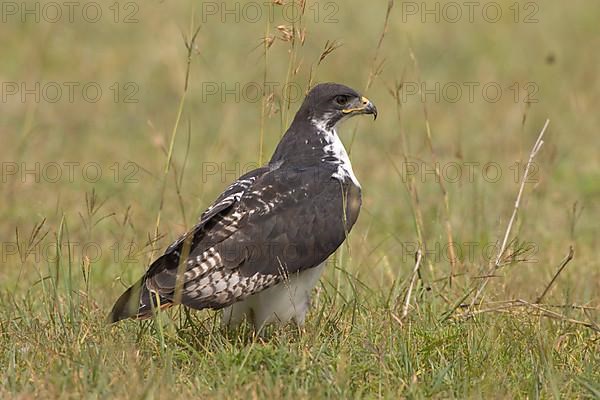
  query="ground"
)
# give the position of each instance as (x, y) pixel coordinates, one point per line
(106, 158)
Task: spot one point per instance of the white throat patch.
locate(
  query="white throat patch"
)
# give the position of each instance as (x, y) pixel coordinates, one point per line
(335, 152)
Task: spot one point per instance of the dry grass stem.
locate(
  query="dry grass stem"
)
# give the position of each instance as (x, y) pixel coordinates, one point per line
(413, 279)
(376, 66)
(536, 148)
(510, 306)
(562, 266)
(330, 47)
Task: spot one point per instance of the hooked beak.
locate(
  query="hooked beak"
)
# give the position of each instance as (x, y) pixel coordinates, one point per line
(363, 106)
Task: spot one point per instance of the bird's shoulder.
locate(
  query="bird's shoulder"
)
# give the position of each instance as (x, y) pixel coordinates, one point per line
(267, 193)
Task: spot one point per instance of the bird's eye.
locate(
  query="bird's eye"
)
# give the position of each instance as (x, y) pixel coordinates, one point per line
(342, 100)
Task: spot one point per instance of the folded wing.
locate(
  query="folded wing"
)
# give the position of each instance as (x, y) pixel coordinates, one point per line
(265, 226)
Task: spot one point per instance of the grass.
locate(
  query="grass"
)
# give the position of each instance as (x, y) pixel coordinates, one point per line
(70, 246)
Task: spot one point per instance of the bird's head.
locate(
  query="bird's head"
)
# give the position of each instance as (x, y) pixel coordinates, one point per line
(327, 104)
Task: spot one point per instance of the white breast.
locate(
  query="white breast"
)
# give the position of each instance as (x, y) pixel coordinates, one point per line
(336, 149)
(280, 304)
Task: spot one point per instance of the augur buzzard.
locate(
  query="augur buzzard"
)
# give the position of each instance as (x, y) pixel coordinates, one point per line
(259, 249)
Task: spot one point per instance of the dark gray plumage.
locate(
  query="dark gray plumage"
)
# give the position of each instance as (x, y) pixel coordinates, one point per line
(268, 234)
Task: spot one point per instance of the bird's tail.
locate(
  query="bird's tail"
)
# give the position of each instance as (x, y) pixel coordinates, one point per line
(137, 302)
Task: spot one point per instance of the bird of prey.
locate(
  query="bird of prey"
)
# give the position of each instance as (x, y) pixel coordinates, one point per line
(258, 251)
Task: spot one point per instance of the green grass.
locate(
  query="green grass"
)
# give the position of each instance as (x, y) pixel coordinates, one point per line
(53, 338)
